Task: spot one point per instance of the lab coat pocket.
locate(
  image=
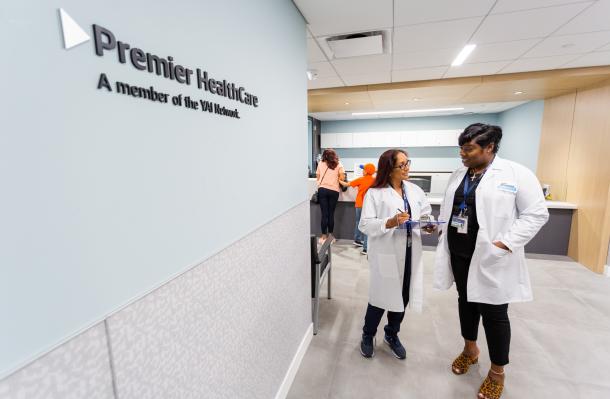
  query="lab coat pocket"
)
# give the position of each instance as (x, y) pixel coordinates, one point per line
(497, 251)
(495, 256)
(387, 265)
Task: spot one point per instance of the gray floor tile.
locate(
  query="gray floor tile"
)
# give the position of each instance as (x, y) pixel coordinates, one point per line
(560, 344)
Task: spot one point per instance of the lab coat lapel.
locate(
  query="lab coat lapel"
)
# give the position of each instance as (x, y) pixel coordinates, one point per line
(486, 185)
(487, 180)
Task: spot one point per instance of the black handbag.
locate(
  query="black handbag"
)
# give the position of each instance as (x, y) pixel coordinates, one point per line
(314, 197)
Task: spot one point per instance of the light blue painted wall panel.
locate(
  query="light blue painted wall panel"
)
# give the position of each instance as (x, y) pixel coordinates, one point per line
(521, 136)
(521, 127)
(106, 196)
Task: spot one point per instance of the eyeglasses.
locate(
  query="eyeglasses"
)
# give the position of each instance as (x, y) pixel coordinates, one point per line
(403, 166)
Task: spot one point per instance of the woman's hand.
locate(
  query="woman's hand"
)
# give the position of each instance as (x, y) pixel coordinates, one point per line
(430, 228)
(397, 220)
(500, 245)
(343, 183)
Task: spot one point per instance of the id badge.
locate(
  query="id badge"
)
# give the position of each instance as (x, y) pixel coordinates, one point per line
(460, 223)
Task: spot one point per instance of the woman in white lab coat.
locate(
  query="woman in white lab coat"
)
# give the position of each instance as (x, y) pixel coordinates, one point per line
(394, 249)
(494, 207)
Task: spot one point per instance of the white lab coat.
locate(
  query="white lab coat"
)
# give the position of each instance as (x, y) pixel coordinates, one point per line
(387, 247)
(496, 276)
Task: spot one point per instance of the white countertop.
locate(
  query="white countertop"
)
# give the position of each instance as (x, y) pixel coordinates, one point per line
(434, 200)
(350, 196)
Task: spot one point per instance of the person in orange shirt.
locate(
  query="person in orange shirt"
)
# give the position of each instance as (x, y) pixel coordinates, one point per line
(363, 183)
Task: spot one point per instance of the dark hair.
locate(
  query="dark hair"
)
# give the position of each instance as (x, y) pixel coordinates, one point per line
(385, 167)
(482, 134)
(330, 157)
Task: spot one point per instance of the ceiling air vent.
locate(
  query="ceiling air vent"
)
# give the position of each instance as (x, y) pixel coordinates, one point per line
(356, 44)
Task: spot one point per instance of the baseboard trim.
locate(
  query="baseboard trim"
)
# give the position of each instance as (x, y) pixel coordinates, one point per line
(295, 364)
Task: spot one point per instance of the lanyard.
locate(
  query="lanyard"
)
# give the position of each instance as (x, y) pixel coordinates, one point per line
(407, 208)
(468, 189)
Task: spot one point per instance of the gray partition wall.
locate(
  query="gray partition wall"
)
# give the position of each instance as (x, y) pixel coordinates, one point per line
(183, 339)
(552, 239)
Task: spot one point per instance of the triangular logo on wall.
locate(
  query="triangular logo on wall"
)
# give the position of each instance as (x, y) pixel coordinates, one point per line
(73, 34)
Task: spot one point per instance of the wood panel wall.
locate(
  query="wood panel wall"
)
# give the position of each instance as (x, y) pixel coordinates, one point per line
(555, 143)
(575, 160)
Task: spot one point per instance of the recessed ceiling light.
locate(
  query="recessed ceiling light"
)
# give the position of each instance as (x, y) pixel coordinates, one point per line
(346, 103)
(406, 111)
(417, 98)
(459, 60)
(518, 93)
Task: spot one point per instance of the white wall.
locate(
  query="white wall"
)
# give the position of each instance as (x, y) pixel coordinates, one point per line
(104, 196)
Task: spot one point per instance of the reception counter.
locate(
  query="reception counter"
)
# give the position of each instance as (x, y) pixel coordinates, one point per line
(552, 239)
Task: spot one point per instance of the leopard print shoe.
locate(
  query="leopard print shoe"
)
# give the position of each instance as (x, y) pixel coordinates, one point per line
(490, 389)
(462, 363)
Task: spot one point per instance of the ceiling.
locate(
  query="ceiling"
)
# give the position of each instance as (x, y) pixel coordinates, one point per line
(456, 109)
(453, 92)
(425, 36)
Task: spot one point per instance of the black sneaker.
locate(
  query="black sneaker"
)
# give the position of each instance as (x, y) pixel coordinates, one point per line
(394, 344)
(367, 345)
(358, 243)
(363, 252)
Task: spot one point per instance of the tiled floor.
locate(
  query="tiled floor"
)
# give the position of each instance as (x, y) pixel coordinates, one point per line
(560, 342)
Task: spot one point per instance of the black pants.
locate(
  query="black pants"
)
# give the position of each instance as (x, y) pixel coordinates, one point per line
(328, 202)
(495, 317)
(374, 314)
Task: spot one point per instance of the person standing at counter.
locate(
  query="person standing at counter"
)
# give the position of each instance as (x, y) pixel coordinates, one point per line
(362, 183)
(329, 173)
(395, 250)
(493, 208)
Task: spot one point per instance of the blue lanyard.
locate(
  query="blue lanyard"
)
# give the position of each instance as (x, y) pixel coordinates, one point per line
(407, 207)
(467, 191)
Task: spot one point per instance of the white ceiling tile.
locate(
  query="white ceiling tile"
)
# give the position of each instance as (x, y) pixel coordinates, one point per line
(569, 44)
(322, 83)
(480, 69)
(410, 12)
(517, 5)
(501, 51)
(345, 16)
(418, 74)
(538, 64)
(596, 17)
(314, 54)
(363, 65)
(323, 69)
(591, 59)
(605, 48)
(433, 36)
(424, 59)
(367, 79)
(525, 24)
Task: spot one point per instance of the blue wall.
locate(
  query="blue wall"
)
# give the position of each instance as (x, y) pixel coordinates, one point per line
(521, 128)
(424, 158)
(106, 196)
